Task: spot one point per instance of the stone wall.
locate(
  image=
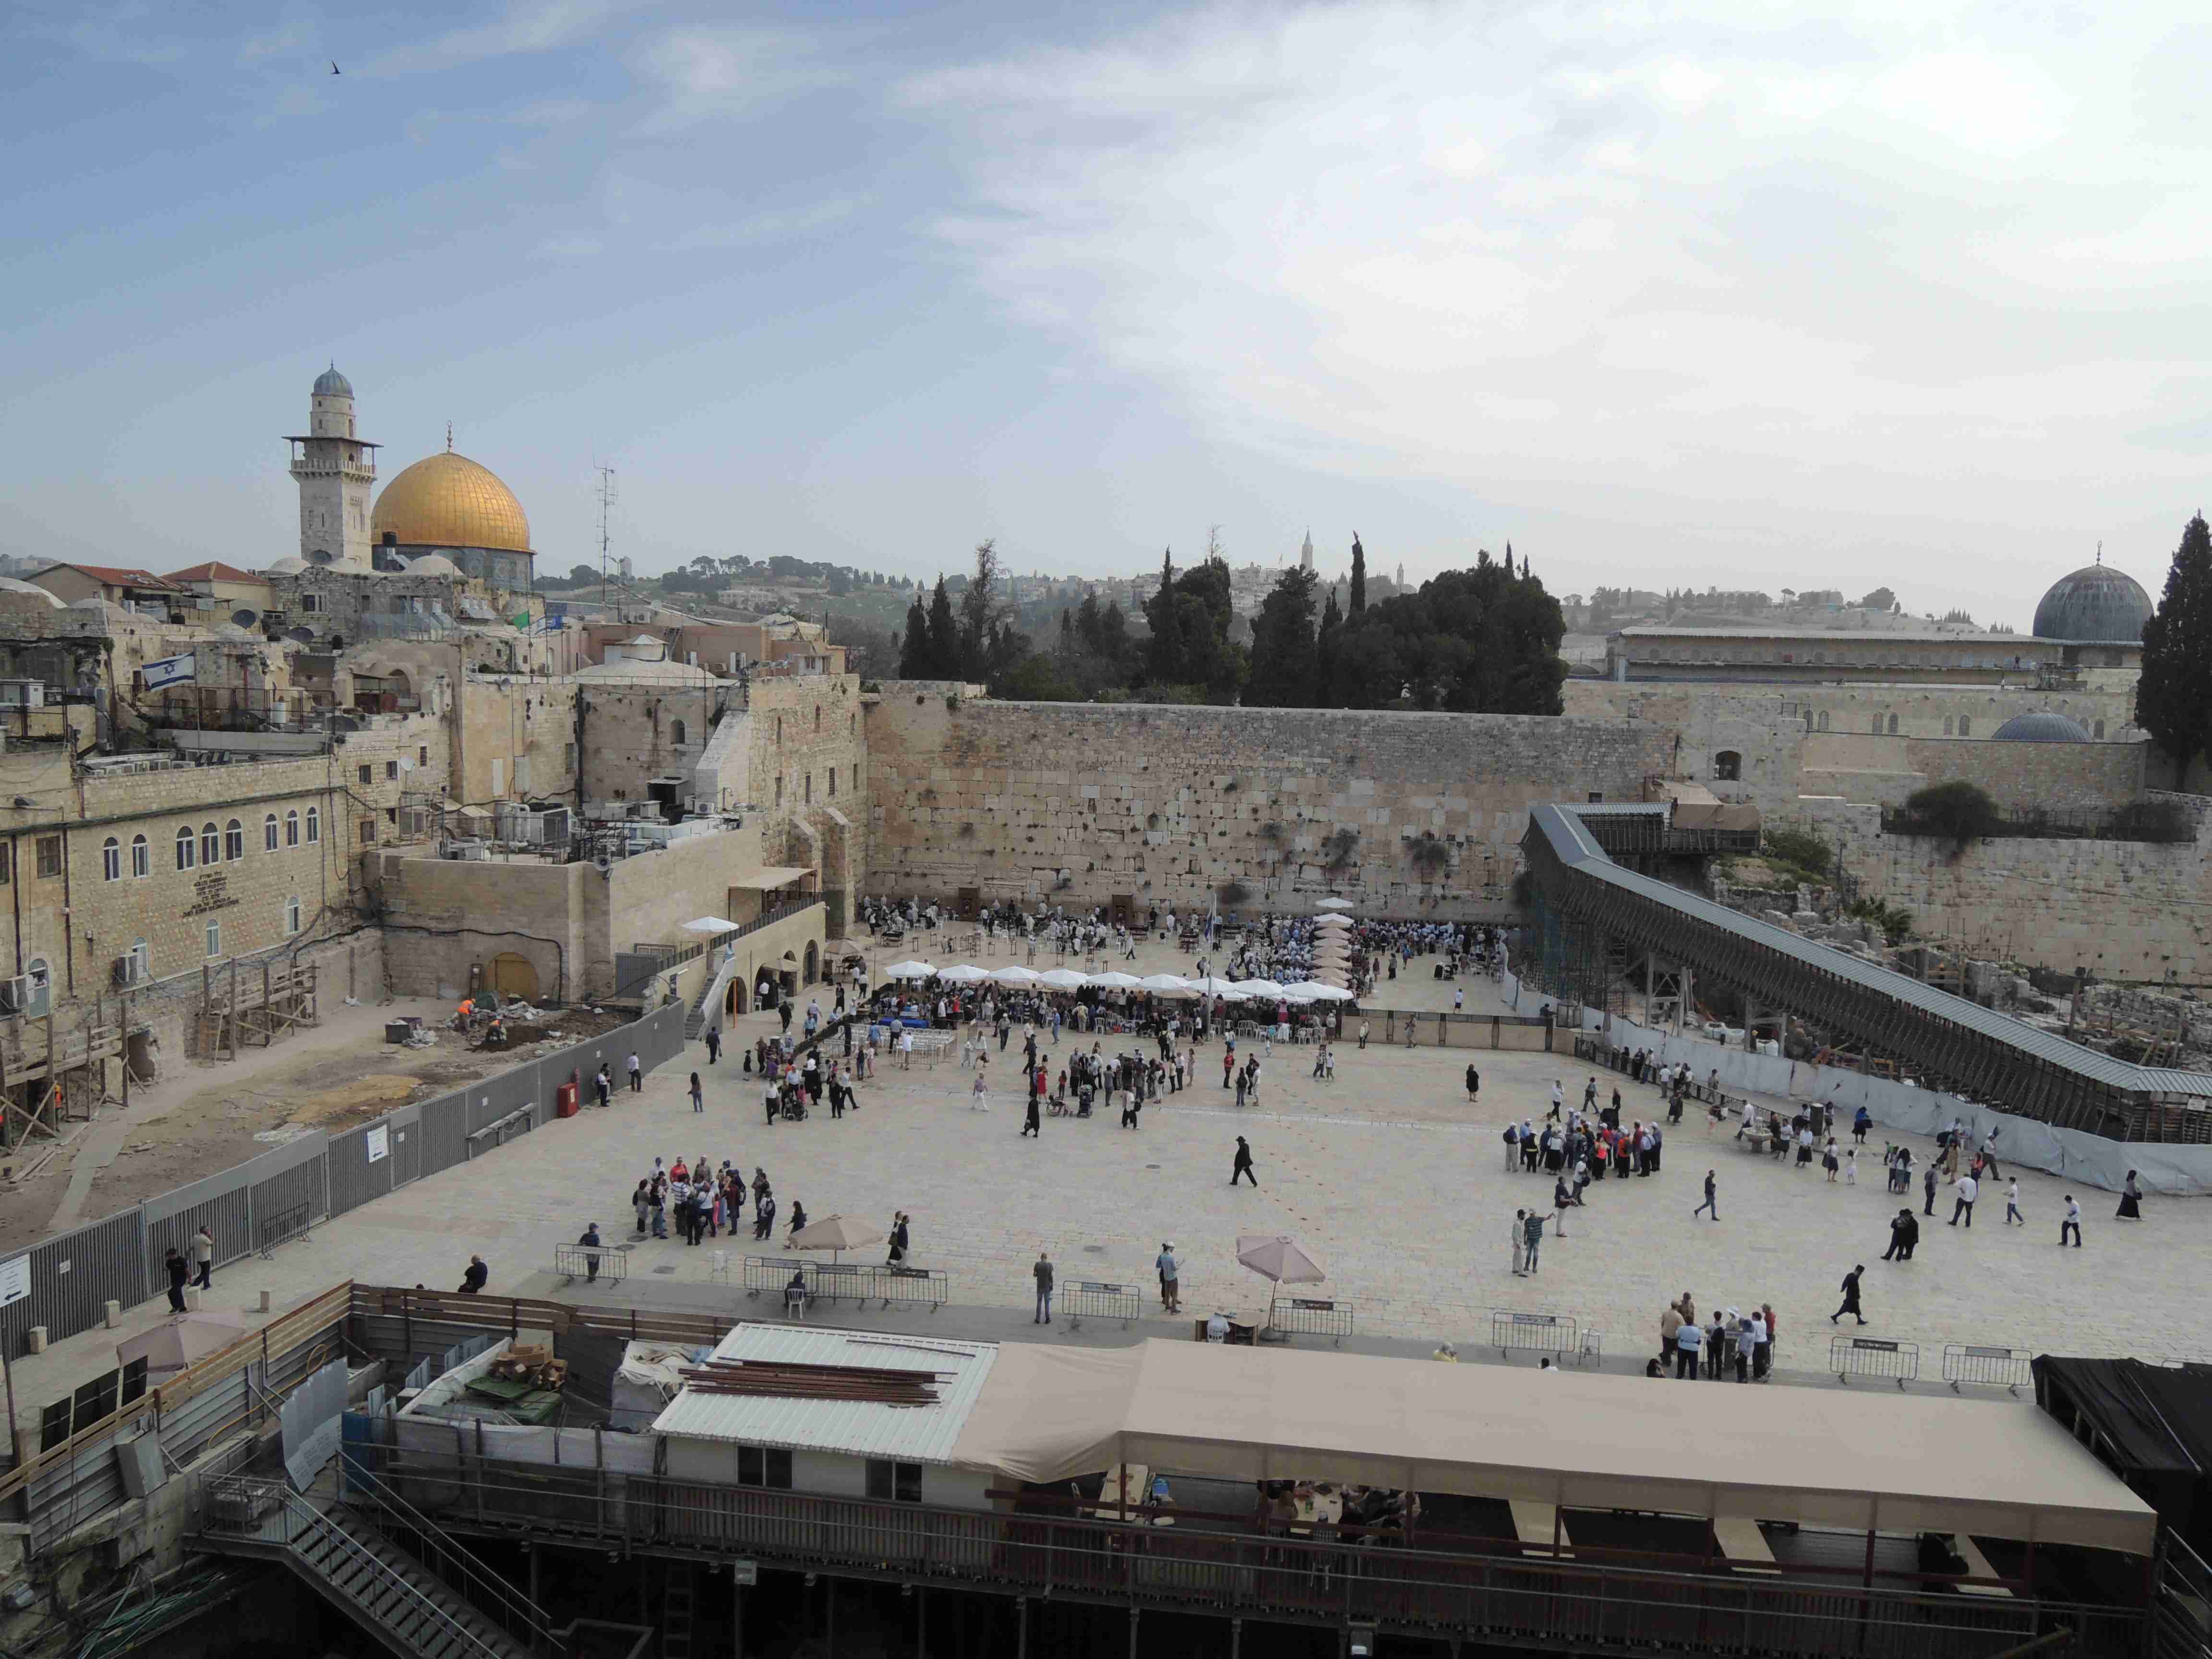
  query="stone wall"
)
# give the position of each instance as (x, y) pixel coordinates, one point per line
(2124, 910)
(1170, 803)
(636, 732)
(2024, 777)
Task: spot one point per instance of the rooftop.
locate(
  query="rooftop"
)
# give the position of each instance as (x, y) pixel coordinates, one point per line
(856, 1427)
(1826, 636)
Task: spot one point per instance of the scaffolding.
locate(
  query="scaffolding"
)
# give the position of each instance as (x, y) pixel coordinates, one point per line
(252, 1007)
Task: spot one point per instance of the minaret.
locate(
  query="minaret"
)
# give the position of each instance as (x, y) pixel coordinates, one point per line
(1306, 553)
(335, 470)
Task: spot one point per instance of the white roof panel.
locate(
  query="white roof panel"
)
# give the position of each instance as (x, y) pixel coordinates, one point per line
(911, 1434)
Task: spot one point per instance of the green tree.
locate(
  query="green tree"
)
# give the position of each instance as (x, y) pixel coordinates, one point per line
(944, 636)
(1357, 600)
(982, 608)
(1325, 644)
(1283, 643)
(2173, 697)
(916, 661)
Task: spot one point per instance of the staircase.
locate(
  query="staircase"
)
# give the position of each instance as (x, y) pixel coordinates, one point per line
(710, 998)
(386, 1591)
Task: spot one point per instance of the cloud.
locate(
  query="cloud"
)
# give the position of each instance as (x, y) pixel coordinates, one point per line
(526, 28)
(707, 72)
(1713, 253)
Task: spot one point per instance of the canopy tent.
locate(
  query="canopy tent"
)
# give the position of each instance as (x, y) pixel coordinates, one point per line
(910, 970)
(767, 880)
(966, 974)
(2152, 1423)
(1116, 980)
(834, 1233)
(175, 1346)
(1255, 988)
(1063, 979)
(1172, 985)
(1279, 1257)
(710, 925)
(1314, 990)
(1213, 986)
(1836, 1459)
(1333, 920)
(1017, 975)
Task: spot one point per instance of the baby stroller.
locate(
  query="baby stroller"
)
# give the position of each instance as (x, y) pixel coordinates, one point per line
(792, 1108)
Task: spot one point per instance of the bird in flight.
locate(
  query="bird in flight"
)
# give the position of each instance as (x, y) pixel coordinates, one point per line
(334, 66)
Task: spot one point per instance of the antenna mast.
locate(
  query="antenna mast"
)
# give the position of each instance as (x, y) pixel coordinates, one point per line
(606, 503)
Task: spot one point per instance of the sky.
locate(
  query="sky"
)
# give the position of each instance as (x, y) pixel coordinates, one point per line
(1914, 294)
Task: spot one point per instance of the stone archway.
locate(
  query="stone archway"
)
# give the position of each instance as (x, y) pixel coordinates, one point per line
(733, 1000)
(514, 975)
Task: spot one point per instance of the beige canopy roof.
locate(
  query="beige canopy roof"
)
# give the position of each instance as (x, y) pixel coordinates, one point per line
(774, 875)
(1822, 1457)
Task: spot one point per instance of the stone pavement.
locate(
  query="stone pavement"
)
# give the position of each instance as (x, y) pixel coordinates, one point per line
(1391, 1178)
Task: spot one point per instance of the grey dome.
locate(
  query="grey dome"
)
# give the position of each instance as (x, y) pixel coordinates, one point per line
(331, 384)
(2040, 725)
(2095, 604)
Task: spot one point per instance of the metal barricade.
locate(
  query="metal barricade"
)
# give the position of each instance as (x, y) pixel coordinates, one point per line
(914, 1286)
(1866, 1356)
(2009, 1369)
(1087, 1297)
(772, 1272)
(605, 1264)
(1303, 1315)
(1532, 1332)
(284, 1227)
(834, 1281)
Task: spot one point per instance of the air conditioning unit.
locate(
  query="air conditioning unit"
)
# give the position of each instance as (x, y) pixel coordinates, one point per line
(16, 995)
(127, 972)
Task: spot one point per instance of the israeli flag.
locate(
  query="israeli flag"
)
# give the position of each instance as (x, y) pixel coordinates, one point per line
(170, 671)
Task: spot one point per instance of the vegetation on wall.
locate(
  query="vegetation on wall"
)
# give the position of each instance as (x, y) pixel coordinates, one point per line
(1956, 812)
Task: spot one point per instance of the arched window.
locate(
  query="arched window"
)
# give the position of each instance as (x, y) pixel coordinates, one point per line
(1965, 727)
(234, 840)
(291, 915)
(779, 728)
(269, 833)
(817, 717)
(210, 844)
(292, 829)
(1948, 723)
(315, 824)
(676, 733)
(1893, 726)
(111, 859)
(42, 986)
(185, 856)
(142, 856)
(833, 783)
(1728, 766)
(810, 789)
(2098, 731)
(1824, 719)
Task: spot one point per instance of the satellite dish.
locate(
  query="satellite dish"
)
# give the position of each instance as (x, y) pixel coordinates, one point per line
(302, 635)
(246, 616)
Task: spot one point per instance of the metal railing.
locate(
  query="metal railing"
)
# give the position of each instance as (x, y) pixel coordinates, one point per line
(1866, 1356)
(490, 1595)
(270, 1512)
(1483, 1589)
(593, 1263)
(1532, 1332)
(284, 1227)
(1305, 1315)
(1090, 1298)
(2009, 1368)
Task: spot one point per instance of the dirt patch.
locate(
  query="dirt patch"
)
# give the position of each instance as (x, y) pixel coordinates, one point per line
(366, 1096)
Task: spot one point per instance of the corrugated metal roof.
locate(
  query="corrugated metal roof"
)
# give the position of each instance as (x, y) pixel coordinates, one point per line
(911, 1434)
(1576, 847)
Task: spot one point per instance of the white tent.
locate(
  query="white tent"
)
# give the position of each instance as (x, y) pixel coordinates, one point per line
(1017, 975)
(965, 973)
(1063, 979)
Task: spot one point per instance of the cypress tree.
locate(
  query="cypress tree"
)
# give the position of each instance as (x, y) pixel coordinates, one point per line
(2173, 698)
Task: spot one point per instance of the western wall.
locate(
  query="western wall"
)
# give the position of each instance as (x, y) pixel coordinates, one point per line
(1405, 814)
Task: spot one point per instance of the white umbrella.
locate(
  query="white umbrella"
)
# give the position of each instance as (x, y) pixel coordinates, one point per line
(1123, 982)
(965, 973)
(910, 970)
(1213, 986)
(1333, 903)
(1257, 987)
(1173, 984)
(709, 925)
(1315, 989)
(1064, 979)
(1017, 975)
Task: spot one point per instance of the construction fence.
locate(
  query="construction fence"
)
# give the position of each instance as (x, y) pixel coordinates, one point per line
(65, 1283)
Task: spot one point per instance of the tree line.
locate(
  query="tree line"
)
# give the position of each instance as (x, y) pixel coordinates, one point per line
(1485, 640)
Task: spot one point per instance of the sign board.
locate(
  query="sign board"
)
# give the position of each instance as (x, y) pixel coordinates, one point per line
(379, 1142)
(14, 1280)
(1973, 1354)
(1869, 1342)
(1300, 1301)
(1536, 1319)
(745, 1572)
(1102, 1290)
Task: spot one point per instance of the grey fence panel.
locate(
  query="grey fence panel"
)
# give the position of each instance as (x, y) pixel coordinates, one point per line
(355, 1177)
(406, 1144)
(220, 1203)
(73, 1276)
(445, 1132)
(492, 1098)
(88, 1485)
(286, 1178)
(211, 1412)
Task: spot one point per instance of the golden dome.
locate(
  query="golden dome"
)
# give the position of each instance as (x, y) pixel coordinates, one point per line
(448, 500)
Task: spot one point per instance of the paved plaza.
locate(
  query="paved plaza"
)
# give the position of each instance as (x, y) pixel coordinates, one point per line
(1387, 1174)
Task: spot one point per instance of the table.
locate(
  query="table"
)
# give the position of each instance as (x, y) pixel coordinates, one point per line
(1316, 1508)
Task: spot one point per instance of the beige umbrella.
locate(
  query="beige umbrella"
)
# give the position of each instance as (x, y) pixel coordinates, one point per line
(1279, 1257)
(1333, 903)
(834, 1234)
(1333, 918)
